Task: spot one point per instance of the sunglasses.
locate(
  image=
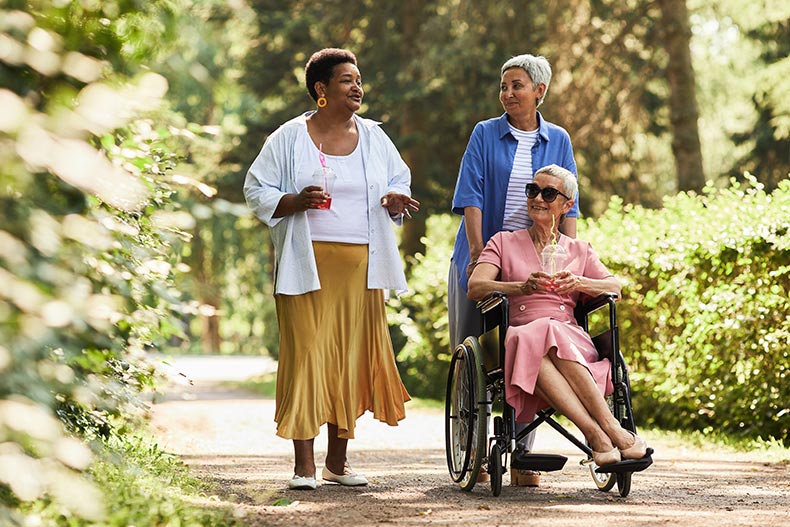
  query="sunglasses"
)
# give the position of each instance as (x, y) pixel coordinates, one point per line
(548, 194)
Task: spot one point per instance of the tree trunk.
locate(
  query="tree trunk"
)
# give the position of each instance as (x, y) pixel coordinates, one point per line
(414, 229)
(684, 113)
(411, 239)
(209, 333)
(206, 292)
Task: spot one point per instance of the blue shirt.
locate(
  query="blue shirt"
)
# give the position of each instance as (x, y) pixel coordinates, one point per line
(485, 172)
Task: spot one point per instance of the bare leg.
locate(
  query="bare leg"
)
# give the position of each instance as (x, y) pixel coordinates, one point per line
(336, 451)
(553, 388)
(583, 384)
(305, 460)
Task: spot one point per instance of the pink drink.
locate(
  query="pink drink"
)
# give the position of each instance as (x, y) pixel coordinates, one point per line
(325, 178)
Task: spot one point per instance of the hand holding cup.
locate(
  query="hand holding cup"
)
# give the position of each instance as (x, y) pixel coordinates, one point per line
(323, 179)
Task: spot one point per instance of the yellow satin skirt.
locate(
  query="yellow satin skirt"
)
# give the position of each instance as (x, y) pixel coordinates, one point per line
(336, 358)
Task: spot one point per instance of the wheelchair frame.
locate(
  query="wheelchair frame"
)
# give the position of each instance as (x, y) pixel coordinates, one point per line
(472, 390)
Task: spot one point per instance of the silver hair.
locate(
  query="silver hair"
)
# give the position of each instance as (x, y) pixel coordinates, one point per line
(538, 69)
(569, 185)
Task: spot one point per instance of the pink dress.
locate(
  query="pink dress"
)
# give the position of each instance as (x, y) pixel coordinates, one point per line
(541, 321)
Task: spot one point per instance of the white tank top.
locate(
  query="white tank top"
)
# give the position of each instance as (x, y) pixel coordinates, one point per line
(347, 218)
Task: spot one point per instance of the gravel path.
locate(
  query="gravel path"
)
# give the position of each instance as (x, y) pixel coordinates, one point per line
(229, 439)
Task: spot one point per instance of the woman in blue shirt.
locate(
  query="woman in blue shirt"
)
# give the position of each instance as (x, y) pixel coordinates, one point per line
(502, 156)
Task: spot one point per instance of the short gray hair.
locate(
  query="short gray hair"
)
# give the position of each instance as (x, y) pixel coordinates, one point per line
(538, 69)
(569, 185)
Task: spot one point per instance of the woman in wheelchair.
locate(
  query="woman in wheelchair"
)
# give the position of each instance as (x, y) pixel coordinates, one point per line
(549, 360)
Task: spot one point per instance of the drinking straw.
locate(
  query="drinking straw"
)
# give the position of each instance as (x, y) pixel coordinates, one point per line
(553, 261)
(321, 157)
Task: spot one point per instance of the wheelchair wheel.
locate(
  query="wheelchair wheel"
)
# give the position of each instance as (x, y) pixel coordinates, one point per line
(604, 482)
(466, 416)
(495, 469)
(624, 483)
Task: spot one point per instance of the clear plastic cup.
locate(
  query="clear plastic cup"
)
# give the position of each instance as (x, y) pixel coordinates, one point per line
(552, 259)
(325, 178)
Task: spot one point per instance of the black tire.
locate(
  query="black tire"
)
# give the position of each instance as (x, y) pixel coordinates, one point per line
(495, 469)
(466, 417)
(619, 408)
(621, 412)
(624, 483)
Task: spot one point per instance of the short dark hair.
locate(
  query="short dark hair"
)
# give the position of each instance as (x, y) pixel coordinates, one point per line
(320, 66)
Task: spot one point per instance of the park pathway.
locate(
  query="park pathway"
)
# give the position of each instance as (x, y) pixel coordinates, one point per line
(227, 437)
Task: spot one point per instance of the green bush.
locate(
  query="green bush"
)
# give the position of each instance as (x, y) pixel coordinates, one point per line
(87, 221)
(706, 311)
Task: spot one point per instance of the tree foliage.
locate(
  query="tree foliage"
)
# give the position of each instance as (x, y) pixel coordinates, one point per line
(769, 139)
(87, 220)
(127, 126)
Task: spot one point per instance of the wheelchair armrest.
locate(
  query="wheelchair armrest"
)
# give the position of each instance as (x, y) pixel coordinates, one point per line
(582, 310)
(491, 301)
(606, 342)
(494, 311)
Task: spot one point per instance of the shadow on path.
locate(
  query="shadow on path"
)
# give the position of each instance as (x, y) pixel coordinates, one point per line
(228, 438)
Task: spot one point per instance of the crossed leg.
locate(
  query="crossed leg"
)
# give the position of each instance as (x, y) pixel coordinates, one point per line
(570, 389)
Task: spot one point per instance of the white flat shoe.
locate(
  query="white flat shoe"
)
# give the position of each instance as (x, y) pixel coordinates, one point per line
(302, 483)
(349, 478)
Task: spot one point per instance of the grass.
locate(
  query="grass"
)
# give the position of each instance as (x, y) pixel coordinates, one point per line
(263, 385)
(768, 450)
(141, 485)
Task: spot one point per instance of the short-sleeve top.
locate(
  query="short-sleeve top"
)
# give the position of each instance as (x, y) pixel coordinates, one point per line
(515, 255)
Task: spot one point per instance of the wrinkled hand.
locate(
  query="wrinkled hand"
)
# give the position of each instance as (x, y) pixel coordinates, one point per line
(400, 204)
(310, 197)
(538, 282)
(565, 282)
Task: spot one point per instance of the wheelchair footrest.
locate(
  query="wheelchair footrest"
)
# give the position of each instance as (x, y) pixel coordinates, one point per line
(628, 465)
(542, 462)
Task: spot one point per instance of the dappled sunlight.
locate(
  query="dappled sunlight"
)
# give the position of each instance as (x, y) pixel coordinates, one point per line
(126, 128)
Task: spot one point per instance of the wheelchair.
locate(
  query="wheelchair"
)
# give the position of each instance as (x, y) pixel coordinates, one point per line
(476, 386)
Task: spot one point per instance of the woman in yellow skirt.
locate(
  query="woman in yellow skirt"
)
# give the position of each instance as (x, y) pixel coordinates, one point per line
(336, 255)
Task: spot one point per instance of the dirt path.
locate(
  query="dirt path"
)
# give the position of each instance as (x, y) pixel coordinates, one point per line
(229, 439)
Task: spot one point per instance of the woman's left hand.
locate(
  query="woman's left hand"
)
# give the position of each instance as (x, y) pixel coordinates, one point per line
(565, 282)
(400, 204)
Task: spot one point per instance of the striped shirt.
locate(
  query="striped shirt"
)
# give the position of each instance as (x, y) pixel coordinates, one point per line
(516, 214)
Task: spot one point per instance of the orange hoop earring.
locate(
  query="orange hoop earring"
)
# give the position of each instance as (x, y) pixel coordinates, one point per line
(321, 102)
